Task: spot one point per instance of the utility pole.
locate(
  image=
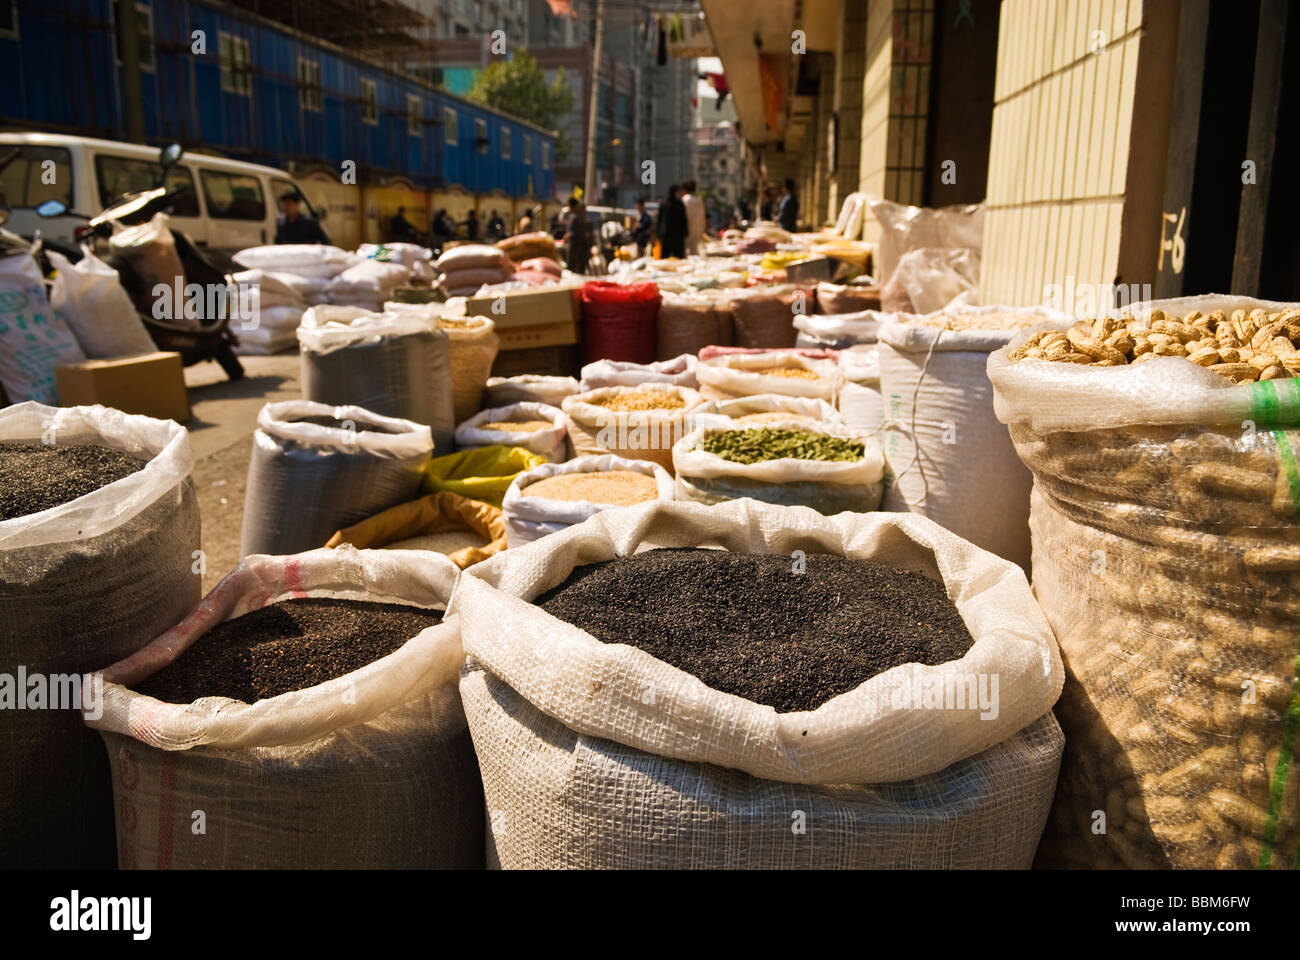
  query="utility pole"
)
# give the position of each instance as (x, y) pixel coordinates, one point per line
(593, 102)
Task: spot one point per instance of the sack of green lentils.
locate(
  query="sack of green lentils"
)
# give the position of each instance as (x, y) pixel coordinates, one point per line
(598, 754)
(787, 462)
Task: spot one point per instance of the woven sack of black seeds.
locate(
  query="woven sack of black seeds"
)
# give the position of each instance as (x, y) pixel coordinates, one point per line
(392, 364)
(597, 754)
(82, 583)
(316, 469)
(371, 769)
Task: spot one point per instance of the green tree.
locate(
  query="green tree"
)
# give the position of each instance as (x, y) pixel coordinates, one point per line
(518, 87)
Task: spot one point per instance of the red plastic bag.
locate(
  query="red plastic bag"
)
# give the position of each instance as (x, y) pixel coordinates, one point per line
(618, 321)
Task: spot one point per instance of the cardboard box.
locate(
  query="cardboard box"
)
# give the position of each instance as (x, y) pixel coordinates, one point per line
(150, 384)
(528, 308)
(559, 334)
(548, 361)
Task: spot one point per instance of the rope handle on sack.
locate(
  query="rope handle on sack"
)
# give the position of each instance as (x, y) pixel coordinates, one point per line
(891, 424)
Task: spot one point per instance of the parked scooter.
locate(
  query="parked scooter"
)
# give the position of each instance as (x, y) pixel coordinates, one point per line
(212, 339)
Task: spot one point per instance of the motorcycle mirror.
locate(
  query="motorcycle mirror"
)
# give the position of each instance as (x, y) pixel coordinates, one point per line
(170, 155)
(52, 208)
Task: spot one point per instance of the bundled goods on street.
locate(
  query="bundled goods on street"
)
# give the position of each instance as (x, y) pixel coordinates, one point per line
(764, 316)
(272, 304)
(768, 408)
(837, 332)
(688, 322)
(317, 468)
(679, 371)
(502, 391)
(860, 402)
(949, 457)
(1166, 557)
(467, 267)
(786, 462)
(309, 708)
(483, 473)
(534, 426)
(89, 297)
(368, 284)
(33, 338)
(527, 246)
(417, 258)
(556, 496)
(729, 375)
(637, 423)
(719, 695)
(392, 364)
(304, 260)
(834, 298)
(99, 535)
(618, 321)
(150, 250)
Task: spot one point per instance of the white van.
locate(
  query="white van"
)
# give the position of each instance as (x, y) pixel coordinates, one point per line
(225, 205)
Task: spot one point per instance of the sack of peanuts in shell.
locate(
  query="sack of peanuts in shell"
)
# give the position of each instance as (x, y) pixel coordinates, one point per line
(534, 426)
(730, 375)
(556, 496)
(597, 752)
(1166, 554)
(787, 462)
(638, 423)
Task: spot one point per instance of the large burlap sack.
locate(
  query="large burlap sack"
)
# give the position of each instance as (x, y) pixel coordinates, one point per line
(306, 480)
(621, 373)
(552, 441)
(373, 769)
(33, 338)
(860, 402)
(764, 316)
(828, 487)
(600, 755)
(395, 365)
(531, 518)
(835, 298)
(1166, 551)
(733, 375)
(81, 585)
(949, 457)
(688, 322)
(529, 387)
(634, 435)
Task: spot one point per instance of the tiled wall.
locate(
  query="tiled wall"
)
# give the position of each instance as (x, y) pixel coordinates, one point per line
(875, 103)
(1066, 78)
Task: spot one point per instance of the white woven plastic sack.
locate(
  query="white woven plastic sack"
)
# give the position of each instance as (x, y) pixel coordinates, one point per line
(600, 755)
(33, 339)
(531, 518)
(738, 375)
(303, 259)
(150, 249)
(532, 387)
(938, 400)
(84, 584)
(767, 406)
(828, 487)
(837, 331)
(679, 371)
(904, 228)
(860, 402)
(551, 442)
(373, 769)
(1165, 519)
(635, 435)
(88, 295)
(306, 480)
(474, 347)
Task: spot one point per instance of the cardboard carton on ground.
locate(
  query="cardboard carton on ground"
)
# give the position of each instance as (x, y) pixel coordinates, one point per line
(149, 384)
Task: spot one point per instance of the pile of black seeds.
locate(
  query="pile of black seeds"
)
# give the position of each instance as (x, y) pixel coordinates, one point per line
(38, 476)
(747, 624)
(287, 646)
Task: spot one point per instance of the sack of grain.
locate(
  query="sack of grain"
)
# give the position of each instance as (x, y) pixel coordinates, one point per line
(860, 402)
(837, 332)
(473, 256)
(33, 338)
(150, 250)
(300, 259)
(689, 321)
(679, 371)
(764, 316)
(526, 246)
(372, 769)
(473, 348)
(316, 468)
(599, 755)
(529, 387)
(465, 531)
(638, 423)
(949, 457)
(766, 408)
(89, 296)
(577, 490)
(482, 474)
(82, 583)
(788, 462)
(836, 298)
(395, 365)
(534, 426)
(1166, 552)
(904, 228)
(777, 371)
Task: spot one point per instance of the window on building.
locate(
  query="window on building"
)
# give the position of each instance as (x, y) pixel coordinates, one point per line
(528, 149)
(9, 18)
(233, 55)
(481, 135)
(369, 102)
(414, 116)
(450, 133)
(505, 143)
(144, 29)
(25, 182)
(232, 196)
(309, 87)
(119, 175)
(546, 155)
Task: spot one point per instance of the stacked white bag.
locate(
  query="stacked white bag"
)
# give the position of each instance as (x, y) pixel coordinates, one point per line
(271, 305)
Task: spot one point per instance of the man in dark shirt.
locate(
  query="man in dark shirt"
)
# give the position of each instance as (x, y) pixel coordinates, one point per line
(402, 229)
(641, 229)
(496, 227)
(294, 226)
(787, 214)
(471, 226)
